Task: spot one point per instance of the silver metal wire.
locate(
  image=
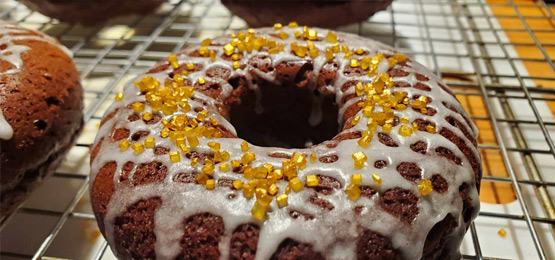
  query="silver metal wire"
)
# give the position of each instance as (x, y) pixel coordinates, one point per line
(140, 41)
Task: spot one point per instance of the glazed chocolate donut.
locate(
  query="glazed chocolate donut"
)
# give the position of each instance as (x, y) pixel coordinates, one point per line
(91, 12)
(40, 110)
(286, 143)
(323, 13)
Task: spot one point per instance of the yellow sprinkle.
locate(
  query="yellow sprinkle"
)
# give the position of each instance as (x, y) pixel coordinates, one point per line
(293, 25)
(297, 34)
(312, 181)
(214, 146)
(149, 142)
(431, 129)
(299, 159)
(172, 58)
(235, 163)
(359, 51)
(248, 192)
(244, 146)
(335, 47)
(238, 184)
(175, 157)
(194, 162)
(365, 140)
(296, 184)
(387, 128)
(273, 189)
(312, 157)
(119, 96)
(138, 107)
(353, 191)
(248, 157)
(278, 26)
(138, 148)
(359, 158)
(206, 42)
(201, 80)
(329, 54)
(210, 184)
(331, 37)
(229, 49)
(356, 179)
(404, 120)
(425, 187)
(193, 141)
(355, 120)
(224, 167)
(259, 210)
(353, 63)
(208, 168)
(377, 179)
(281, 200)
(124, 145)
(190, 66)
(405, 130)
(312, 35)
(314, 53)
(278, 174)
(274, 50)
(345, 48)
(502, 232)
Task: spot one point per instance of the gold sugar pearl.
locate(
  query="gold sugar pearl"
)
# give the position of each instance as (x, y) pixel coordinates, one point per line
(502, 232)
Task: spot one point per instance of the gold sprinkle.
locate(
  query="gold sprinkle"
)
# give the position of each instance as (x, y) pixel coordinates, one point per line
(124, 145)
(206, 42)
(150, 142)
(312, 157)
(312, 181)
(138, 148)
(138, 107)
(244, 146)
(229, 49)
(296, 184)
(359, 158)
(210, 184)
(331, 37)
(278, 26)
(201, 80)
(273, 189)
(214, 146)
(502, 232)
(259, 210)
(119, 96)
(281, 200)
(174, 156)
(405, 130)
(356, 179)
(376, 178)
(425, 187)
(293, 25)
(353, 191)
(431, 129)
(224, 167)
(248, 157)
(190, 66)
(329, 54)
(353, 63)
(147, 116)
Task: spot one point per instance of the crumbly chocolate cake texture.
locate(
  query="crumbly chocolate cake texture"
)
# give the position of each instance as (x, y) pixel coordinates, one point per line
(91, 12)
(286, 142)
(323, 13)
(40, 110)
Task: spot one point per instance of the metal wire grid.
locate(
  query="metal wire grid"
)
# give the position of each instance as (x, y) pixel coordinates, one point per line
(125, 47)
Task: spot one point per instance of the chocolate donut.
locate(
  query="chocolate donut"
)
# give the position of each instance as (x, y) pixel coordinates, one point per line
(40, 110)
(91, 12)
(286, 143)
(323, 13)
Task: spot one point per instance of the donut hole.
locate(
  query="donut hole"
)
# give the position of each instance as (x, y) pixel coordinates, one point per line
(285, 115)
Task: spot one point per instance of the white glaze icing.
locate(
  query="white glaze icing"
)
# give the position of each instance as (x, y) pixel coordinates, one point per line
(11, 52)
(333, 233)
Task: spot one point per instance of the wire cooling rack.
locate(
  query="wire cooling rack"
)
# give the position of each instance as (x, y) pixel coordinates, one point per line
(496, 55)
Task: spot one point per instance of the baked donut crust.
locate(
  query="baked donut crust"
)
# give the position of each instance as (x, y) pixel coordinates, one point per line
(170, 178)
(40, 110)
(322, 13)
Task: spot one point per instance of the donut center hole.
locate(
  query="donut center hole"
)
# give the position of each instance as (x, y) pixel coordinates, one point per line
(285, 116)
